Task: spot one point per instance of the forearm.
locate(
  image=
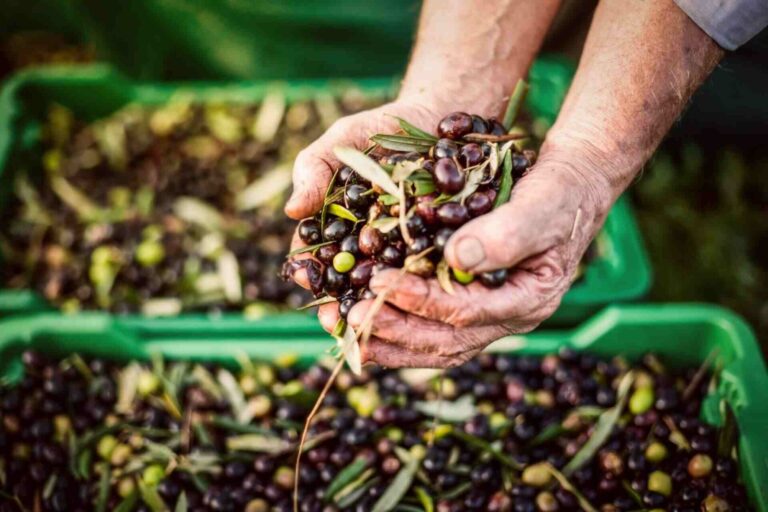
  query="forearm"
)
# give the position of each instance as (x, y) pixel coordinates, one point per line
(469, 54)
(641, 63)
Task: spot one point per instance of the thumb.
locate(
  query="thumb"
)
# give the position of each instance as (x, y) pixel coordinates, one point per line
(539, 215)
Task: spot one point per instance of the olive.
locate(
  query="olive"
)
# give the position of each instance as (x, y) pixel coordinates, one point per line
(327, 252)
(371, 241)
(426, 210)
(416, 225)
(336, 230)
(519, 165)
(444, 148)
(494, 278)
(349, 244)
(345, 306)
(335, 281)
(471, 154)
(478, 203)
(344, 174)
(343, 262)
(356, 198)
(419, 244)
(497, 128)
(392, 256)
(309, 231)
(479, 125)
(455, 125)
(452, 214)
(441, 238)
(428, 165)
(361, 274)
(448, 178)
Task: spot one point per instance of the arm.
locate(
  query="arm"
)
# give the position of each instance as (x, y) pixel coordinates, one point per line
(641, 63)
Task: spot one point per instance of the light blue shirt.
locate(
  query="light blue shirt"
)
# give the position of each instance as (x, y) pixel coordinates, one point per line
(731, 23)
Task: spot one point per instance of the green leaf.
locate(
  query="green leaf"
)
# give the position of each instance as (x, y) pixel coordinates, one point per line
(402, 143)
(385, 224)
(326, 202)
(568, 486)
(318, 302)
(101, 499)
(399, 486)
(549, 432)
(151, 497)
(307, 248)
(340, 211)
(388, 199)
(353, 487)
(456, 491)
(486, 447)
(603, 428)
(233, 394)
(413, 131)
(461, 409)
(259, 443)
(354, 496)
(368, 169)
(345, 477)
(351, 349)
(515, 103)
(425, 499)
(505, 188)
(404, 170)
(128, 503)
(181, 504)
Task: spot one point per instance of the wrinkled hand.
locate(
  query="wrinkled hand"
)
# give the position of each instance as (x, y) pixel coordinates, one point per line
(542, 233)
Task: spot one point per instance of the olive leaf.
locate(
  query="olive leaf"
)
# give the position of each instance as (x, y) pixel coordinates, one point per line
(269, 118)
(307, 248)
(698, 377)
(266, 188)
(443, 272)
(229, 272)
(426, 500)
(340, 211)
(603, 428)
(505, 187)
(351, 349)
(403, 170)
(129, 503)
(206, 381)
(515, 103)
(473, 180)
(367, 168)
(402, 143)
(127, 382)
(414, 131)
(233, 394)
(259, 443)
(348, 492)
(101, 499)
(385, 224)
(181, 504)
(729, 434)
(161, 306)
(568, 486)
(457, 411)
(198, 212)
(399, 486)
(318, 302)
(353, 497)
(346, 476)
(484, 446)
(151, 497)
(388, 199)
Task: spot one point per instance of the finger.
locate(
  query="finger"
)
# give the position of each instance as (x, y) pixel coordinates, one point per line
(421, 335)
(539, 216)
(328, 314)
(516, 301)
(314, 166)
(393, 356)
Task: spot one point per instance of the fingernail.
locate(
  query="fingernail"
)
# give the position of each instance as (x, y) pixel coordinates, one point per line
(355, 316)
(469, 252)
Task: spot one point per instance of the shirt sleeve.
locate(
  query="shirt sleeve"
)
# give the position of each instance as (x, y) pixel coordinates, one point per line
(731, 23)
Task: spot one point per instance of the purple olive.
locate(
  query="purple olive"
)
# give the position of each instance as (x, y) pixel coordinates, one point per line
(479, 203)
(453, 214)
(455, 126)
(448, 178)
(471, 154)
(327, 252)
(361, 273)
(371, 241)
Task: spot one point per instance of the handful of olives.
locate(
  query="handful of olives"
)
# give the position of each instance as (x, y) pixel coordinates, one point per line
(402, 213)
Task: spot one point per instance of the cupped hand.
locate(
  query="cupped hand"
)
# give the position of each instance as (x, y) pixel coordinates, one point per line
(540, 235)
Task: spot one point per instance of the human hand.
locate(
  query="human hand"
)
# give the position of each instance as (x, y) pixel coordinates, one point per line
(540, 234)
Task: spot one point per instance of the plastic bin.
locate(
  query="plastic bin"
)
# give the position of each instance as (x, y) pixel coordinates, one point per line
(680, 334)
(621, 273)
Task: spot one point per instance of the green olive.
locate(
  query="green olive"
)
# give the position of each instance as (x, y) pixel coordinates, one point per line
(343, 262)
(660, 482)
(537, 475)
(149, 253)
(153, 475)
(656, 452)
(641, 400)
(461, 276)
(148, 383)
(106, 445)
(700, 465)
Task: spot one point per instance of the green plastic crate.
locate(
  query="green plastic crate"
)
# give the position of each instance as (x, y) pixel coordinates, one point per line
(621, 274)
(680, 334)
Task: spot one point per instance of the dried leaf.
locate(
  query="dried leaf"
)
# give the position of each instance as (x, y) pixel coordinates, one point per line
(206, 381)
(340, 211)
(485, 137)
(459, 410)
(367, 168)
(603, 428)
(198, 212)
(318, 302)
(515, 103)
(272, 185)
(402, 217)
(413, 131)
(729, 434)
(233, 394)
(161, 307)
(402, 143)
(127, 382)
(701, 372)
(229, 272)
(568, 486)
(473, 180)
(443, 272)
(270, 117)
(75, 199)
(259, 443)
